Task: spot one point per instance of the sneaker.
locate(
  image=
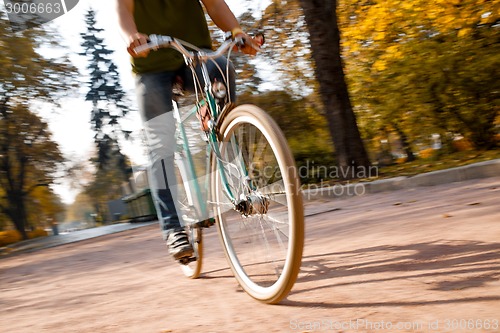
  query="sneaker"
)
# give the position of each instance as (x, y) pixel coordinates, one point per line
(178, 244)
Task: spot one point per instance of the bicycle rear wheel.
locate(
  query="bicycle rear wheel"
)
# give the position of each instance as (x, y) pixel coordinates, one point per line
(191, 267)
(262, 233)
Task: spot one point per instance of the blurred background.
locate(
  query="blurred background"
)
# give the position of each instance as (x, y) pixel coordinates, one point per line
(402, 87)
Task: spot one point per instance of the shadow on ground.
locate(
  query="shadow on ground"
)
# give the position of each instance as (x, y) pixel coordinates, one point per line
(442, 266)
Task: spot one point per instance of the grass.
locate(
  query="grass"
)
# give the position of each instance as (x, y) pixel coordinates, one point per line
(438, 162)
(433, 161)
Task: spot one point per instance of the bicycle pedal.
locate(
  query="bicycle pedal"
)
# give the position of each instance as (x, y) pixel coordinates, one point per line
(206, 223)
(187, 260)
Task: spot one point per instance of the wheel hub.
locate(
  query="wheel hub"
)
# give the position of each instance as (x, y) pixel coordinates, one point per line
(255, 203)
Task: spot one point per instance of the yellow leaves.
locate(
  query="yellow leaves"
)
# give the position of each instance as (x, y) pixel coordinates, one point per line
(487, 18)
(392, 49)
(407, 5)
(433, 14)
(379, 36)
(9, 237)
(379, 32)
(388, 21)
(350, 45)
(391, 55)
(447, 20)
(394, 52)
(379, 65)
(464, 32)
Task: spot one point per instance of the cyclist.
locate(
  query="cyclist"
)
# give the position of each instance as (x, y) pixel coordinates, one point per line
(155, 75)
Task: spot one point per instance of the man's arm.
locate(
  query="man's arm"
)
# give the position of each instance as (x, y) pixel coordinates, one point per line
(224, 18)
(133, 38)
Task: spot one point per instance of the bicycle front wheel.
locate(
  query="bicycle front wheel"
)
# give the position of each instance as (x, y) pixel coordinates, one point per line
(258, 204)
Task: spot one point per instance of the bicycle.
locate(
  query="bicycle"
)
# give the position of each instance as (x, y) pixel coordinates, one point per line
(251, 184)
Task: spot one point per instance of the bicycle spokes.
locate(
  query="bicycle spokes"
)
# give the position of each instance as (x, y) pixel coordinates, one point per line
(259, 230)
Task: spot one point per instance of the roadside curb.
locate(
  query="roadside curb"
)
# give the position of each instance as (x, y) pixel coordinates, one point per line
(62, 239)
(473, 171)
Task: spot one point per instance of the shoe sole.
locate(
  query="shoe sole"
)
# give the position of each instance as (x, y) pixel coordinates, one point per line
(183, 254)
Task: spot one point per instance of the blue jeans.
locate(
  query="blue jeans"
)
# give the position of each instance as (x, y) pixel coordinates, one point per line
(154, 97)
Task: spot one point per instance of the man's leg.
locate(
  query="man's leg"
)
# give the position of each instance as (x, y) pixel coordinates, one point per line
(220, 71)
(154, 95)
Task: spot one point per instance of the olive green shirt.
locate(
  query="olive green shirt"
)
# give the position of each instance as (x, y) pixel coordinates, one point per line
(183, 19)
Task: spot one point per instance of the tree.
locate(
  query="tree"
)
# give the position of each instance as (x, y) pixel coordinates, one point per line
(322, 24)
(28, 156)
(432, 67)
(108, 180)
(28, 159)
(305, 130)
(303, 36)
(46, 207)
(247, 79)
(109, 104)
(81, 210)
(25, 74)
(287, 47)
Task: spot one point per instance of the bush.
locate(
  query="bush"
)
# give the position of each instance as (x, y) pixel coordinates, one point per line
(37, 233)
(428, 153)
(9, 237)
(462, 145)
(14, 236)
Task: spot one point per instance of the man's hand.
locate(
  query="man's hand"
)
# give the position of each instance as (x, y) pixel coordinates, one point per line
(252, 44)
(136, 40)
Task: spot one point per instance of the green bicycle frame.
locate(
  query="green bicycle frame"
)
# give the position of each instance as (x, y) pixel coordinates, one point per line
(193, 187)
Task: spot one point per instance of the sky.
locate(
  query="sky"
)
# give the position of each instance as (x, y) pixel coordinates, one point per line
(70, 124)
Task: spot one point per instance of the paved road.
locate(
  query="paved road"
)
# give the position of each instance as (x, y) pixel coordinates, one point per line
(313, 195)
(414, 260)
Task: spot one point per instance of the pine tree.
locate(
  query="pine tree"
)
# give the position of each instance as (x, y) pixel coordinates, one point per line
(109, 102)
(109, 105)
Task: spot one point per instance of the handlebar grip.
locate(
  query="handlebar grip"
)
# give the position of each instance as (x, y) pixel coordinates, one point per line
(240, 41)
(154, 43)
(141, 48)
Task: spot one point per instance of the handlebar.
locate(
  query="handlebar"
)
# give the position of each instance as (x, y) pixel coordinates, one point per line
(158, 41)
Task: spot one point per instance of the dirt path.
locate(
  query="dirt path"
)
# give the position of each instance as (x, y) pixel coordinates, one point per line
(408, 261)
